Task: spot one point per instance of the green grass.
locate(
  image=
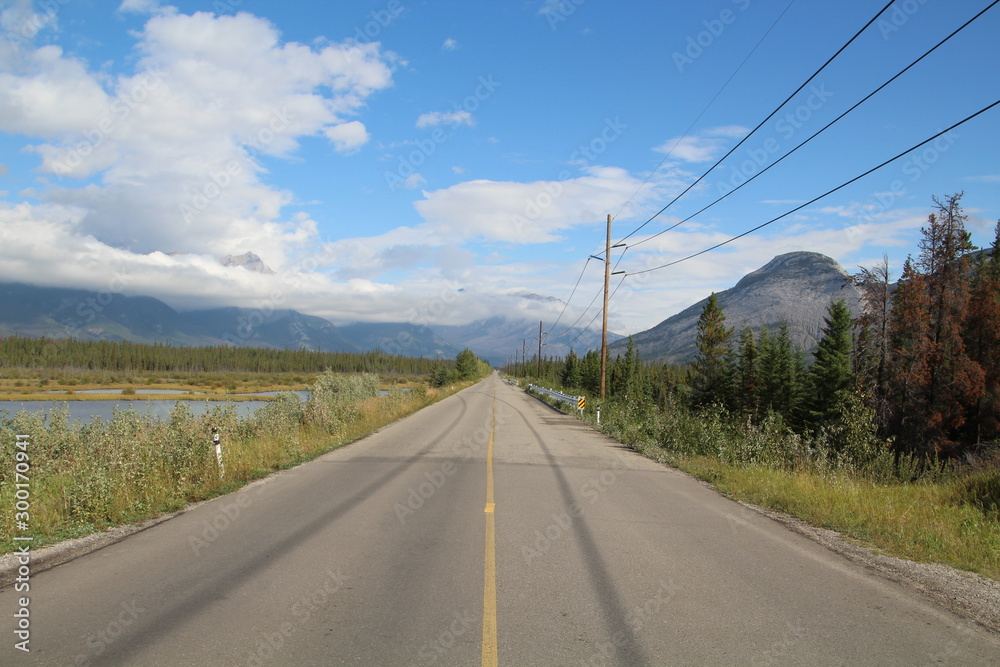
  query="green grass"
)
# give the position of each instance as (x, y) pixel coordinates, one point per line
(133, 467)
(924, 521)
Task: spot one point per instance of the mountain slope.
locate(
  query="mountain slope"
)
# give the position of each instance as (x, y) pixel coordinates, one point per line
(796, 288)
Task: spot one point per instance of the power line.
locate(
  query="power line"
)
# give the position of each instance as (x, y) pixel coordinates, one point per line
(761, 124)
(587, 328)
(814, 200)
(566, 305)
(822, 129)
(702, 113)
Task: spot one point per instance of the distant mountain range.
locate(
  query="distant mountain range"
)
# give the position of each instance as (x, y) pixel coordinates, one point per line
(795, 288)
(69, 313)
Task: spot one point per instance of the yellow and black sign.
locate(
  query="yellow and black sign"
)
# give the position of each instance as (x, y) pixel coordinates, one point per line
(581, 403)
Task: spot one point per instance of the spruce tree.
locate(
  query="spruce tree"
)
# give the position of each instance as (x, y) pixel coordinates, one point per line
(710, 367)
(982, 341)
(831, 378)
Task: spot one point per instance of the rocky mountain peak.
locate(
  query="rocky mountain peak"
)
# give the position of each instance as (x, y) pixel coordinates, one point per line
(249, 261)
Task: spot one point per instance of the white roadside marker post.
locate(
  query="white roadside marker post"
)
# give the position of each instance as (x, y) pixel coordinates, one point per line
(218, 451)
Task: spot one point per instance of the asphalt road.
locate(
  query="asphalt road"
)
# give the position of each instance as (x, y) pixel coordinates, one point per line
(485, 527)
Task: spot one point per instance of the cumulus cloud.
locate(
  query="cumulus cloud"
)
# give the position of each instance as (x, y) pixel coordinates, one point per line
(450, 44)
(348, 137)
(173, 151)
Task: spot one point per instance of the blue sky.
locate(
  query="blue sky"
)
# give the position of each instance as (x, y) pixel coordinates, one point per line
(437, 161)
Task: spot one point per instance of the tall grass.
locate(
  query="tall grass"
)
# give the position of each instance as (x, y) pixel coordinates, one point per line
(85, 477)
(842, 478)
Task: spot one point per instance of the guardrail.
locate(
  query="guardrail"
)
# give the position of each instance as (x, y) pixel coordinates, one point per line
(578, 402)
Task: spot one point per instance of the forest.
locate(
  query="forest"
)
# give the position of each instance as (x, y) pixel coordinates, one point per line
(920, 368)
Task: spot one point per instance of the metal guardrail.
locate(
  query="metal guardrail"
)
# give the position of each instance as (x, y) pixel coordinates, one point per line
(578, 402)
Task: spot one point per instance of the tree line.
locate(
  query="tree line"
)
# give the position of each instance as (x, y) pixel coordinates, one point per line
(70, 354)
(919, 368)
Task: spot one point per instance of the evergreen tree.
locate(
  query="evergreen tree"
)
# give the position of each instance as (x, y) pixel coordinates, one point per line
(831, 378)
(710, 367)
(571, 371)
(746, 376)
(590, 372)
(466, 365)
(781, 372)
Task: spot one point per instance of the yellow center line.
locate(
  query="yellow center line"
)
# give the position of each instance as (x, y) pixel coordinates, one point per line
(490, 572)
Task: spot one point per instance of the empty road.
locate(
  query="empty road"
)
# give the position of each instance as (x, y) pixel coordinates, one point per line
(485, 529)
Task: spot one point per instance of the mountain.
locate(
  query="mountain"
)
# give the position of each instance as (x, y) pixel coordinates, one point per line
(498, 338)
(248, 261)
(795, 288)
(68, 313)
(408, 340)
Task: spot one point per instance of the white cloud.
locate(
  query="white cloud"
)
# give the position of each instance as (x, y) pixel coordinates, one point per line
(435, 118)
(449, 44)
(414, 181)
(702, 147)
(348, 137)
(529, 213)
(173, 149)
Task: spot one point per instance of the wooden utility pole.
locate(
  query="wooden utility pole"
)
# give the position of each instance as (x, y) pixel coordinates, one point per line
(524, 359)
(604, 328)
(539, 349)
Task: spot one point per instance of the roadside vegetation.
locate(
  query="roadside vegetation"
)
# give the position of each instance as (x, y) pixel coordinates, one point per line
(890, 434)
(87, 477)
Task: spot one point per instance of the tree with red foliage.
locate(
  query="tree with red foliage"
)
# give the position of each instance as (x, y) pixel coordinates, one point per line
(982, 341)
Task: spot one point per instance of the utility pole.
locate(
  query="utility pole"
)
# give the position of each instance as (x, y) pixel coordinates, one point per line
(539, 349)
(604, 327)
(524, 358)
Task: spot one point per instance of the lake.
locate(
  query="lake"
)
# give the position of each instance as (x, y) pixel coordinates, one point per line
(85, 411)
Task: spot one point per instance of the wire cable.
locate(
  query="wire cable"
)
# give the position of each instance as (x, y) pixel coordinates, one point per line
(702, 113)
(566, 305)
(761, 124)
(821, 130)
(815, 199)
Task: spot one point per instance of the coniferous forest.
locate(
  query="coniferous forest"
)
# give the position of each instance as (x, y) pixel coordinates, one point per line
(920, 368)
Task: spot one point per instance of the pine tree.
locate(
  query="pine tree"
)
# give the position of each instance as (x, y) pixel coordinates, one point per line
(781, 371)
(831, 378)
(570, 377)
(746, 389)
(710, 367)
